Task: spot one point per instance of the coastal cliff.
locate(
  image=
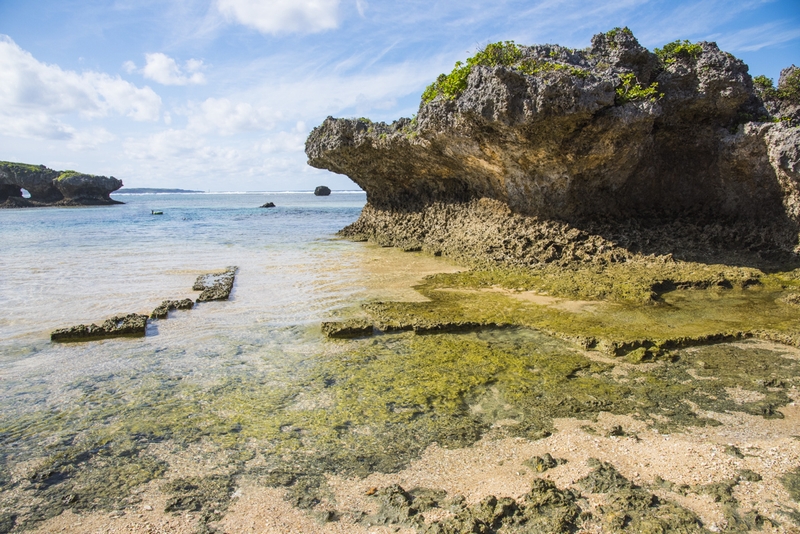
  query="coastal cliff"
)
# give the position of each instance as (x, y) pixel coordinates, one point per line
(540, 154)
(48, 187)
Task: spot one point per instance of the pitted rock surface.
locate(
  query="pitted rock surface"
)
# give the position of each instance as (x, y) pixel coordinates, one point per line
(559, 148)
(119, 326)
(215, 286)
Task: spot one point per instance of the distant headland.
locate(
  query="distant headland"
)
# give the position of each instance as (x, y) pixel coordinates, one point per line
(48, 187)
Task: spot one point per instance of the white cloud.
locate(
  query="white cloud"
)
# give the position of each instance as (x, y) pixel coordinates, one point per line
(90, 139)
(34, 96)
(224, 117)
(283, 16)
(163, 69)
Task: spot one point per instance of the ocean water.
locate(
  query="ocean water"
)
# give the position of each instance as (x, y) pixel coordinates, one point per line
(66, 266)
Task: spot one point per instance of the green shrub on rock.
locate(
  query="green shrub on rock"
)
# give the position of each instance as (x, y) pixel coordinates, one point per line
(678, 49)
(631, 90)
(452, 85)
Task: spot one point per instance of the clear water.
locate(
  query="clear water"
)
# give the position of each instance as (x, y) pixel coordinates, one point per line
(65, 266)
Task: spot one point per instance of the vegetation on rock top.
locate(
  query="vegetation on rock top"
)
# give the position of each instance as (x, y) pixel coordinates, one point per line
(675, 50)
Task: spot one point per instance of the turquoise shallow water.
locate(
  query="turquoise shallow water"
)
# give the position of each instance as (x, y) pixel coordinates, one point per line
(62, 266)
(66, 266)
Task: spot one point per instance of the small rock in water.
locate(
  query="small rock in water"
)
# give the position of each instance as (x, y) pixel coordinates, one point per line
(121, 325)
(322, 191)
(347, 329)
(215, 286)
(268, 205)
(168, 305)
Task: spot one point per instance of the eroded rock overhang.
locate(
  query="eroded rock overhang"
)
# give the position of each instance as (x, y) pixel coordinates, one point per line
(562, 143)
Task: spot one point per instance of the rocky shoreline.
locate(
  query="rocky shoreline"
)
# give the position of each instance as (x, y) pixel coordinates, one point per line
(48, 187)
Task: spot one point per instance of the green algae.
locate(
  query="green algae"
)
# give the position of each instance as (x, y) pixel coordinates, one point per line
(375, 404)
(687, 304)
(627, 507)
(791, 481)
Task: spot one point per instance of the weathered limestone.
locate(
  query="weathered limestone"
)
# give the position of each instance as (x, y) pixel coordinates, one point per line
(215, 286)
(165, 307)
(553, 140)
(53, 188)
(351, 328)
(130, 325)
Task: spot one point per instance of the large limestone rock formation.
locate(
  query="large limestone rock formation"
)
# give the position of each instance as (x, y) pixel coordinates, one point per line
(48, 187)
(546, 153)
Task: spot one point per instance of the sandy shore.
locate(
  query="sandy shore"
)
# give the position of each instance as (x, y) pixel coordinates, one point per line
(695, 457)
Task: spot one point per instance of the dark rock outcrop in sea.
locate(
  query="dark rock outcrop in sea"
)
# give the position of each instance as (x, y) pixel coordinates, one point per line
(119, 326)
(162, 311)
(215, 286)
(322, 191)
(542, 154)
(53, 188)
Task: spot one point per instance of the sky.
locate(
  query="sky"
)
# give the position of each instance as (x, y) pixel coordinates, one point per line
(220, 95)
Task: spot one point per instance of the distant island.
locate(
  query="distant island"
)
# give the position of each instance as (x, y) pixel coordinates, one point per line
(152, 191)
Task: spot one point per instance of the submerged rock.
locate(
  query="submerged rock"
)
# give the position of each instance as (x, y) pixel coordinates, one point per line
(347, 329)
(268, 205)
(165, 307)
(119, 326)
(544, 151)
(53, 188)
(215, 286)
(322, 191)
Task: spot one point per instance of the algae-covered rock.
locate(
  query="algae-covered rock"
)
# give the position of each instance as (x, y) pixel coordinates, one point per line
(627, 507)
(215, 286)
(536, 154)
(540, 464)
(166, 306)
(791, 481)
(209, 495)
(351, 328)
(118, 326)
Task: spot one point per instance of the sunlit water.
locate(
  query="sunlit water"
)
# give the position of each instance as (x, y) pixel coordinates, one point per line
(65, 266)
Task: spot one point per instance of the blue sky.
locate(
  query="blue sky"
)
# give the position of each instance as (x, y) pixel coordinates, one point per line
(220, 95)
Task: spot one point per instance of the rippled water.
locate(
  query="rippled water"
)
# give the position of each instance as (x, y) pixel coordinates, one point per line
(67, 266)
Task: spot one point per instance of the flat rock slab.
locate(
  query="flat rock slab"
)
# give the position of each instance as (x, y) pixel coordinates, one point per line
(347, 329)
(132, 324)
(215, 286)
(168, 305)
